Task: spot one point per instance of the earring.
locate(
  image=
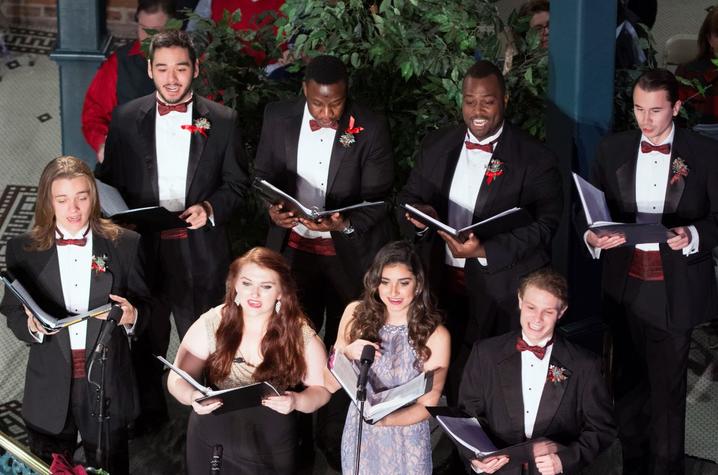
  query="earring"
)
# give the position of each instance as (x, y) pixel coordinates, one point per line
(278, 306)
(237, 300)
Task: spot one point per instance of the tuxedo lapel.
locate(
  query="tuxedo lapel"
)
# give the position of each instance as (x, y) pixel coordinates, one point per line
(197, 141)
(626, 175)
(452, 160)
(339, 151)
(293, 126)
(489, 191)
(146, 132)
(553, 391)
(50, 282)
(674, 191)
(100, 287)
(509, 371)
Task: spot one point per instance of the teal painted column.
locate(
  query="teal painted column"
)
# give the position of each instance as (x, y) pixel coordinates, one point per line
(81, 47)
(580, 109)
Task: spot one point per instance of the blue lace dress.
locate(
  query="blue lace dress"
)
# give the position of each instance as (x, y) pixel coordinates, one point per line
(389, 450)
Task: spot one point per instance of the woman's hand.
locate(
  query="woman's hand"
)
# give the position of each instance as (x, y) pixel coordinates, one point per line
(354, 349)
(283, 404)
(204, 407)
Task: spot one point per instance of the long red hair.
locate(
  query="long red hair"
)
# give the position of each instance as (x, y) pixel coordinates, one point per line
(282, 346)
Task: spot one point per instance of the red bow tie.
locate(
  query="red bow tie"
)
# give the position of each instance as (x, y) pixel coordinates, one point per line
(61, 241)
(539, 351)
(647, 147)
(486, 147)
(314, 125)
(165, 109)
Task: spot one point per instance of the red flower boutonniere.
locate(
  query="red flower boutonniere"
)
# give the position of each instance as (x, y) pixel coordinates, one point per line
(495, 168)
(201, 126)
(347, 138)
(556, 374)
(679, 170)
(99, 264)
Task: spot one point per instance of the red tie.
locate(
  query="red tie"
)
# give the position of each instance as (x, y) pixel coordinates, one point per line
(165, 109)
(486, 147)
(314, 125)
(539, 351)
(61, 241)
(647, 147)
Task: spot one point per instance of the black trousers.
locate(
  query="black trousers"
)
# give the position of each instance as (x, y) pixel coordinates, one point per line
(651, 361)
(79, 419)
(324, 289)
(179, 293)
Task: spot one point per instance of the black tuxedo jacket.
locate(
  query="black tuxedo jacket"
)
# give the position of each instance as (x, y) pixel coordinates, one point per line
(692, 200)
(362, 171)
(575, 413)
(46, 399)
(215, 173)
(530, 180)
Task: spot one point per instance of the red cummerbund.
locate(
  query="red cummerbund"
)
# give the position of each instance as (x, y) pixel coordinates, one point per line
(176, 233)
(318, 246)
(78, 364)
(646, 265)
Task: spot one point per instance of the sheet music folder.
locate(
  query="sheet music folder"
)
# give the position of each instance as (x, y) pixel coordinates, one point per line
(151, 218)
(497, 224)
(474, 443)
(273, 195)
(233, 399)
(600, 222)
(49, 322)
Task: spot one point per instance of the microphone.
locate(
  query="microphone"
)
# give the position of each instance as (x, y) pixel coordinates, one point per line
(365, 361)
(113, 318)
(215, 465)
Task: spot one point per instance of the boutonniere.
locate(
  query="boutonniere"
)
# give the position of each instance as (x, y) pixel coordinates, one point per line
(556, 374)
(200, 126)
(99, 264)
(347, 138)
(679, 169)
(495, 168)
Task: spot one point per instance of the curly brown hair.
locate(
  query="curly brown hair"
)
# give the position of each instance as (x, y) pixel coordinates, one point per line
(370, 313)
(282, 346)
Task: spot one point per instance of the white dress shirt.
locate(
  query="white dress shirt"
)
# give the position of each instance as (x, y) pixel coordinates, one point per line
(314, 151)
(534, 372)
(465, 187)
(172, 144)
(652, 168)
(75, 274)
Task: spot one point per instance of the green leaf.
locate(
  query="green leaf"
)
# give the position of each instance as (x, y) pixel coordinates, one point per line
(355, 60)
(529, 76)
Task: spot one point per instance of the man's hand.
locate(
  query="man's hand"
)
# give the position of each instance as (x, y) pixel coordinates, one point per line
(426, 209)
(335, 222)
(681, 239)
(34, 326)
(129, 312)
(283, 219)
(490, 464)
(195, 216)
(101, 153)
(471, 248)
(608, 241)
(548, 464)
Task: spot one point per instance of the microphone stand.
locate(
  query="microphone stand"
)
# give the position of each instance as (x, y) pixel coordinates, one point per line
(361, 397)
(103, 403)
(367, 358)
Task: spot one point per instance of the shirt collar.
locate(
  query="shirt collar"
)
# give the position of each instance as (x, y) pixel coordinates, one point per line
(668, 139)
(541, 343)
(189, 100)
(493, 138)
(65, 234)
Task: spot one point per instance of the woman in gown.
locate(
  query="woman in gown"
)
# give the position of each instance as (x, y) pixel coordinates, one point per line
(397, 316)
(258, 334)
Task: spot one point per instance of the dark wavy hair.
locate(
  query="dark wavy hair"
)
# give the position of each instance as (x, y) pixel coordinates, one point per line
(282, 346)
(370, 314)
(709, 26)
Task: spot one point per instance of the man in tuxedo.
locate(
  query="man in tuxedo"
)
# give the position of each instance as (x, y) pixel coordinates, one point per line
(655, 293)
(327, 152)
(463, 175)
(71, 262)
(533, 383)
(175, 149)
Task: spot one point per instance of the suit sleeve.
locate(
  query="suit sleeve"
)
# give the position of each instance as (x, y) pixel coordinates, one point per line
(266, 165)
(417, 190)
(377, 178)
(708, 226)
(598, 427)
(110, 170)
(471, 397)
(235, 180)
(137, 292)
(11, 307)
(542, 196)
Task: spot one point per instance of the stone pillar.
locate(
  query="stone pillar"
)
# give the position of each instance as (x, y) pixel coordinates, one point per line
(81, 47)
